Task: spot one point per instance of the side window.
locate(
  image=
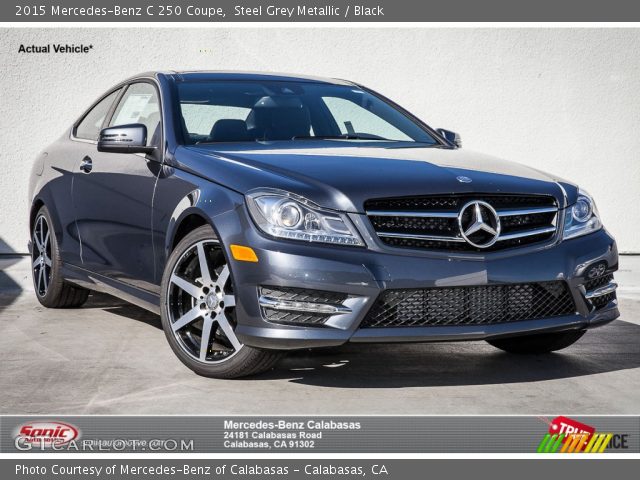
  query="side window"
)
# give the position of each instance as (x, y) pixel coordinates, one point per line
(89, 127)
(139, 104)
(353, 118)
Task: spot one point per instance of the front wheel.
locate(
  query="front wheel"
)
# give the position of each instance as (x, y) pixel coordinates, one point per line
(540, 343)
(198, 311)
(52, 290)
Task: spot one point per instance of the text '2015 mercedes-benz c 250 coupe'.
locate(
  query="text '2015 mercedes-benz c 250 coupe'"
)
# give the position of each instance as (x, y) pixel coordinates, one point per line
(258, 213)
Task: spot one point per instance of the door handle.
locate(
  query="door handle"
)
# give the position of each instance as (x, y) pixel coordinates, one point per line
(86, 165)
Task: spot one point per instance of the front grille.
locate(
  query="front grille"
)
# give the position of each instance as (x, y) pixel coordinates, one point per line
(478, 305)
(431, 222)
(291, 317)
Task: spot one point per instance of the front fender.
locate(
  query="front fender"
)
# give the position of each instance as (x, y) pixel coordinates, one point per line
(186, 195)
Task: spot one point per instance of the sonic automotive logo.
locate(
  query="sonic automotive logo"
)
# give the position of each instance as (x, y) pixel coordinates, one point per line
(570, 436)
(45, 434)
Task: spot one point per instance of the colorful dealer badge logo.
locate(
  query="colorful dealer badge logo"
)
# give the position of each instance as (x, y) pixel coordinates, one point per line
(45, 434)
(570, 436)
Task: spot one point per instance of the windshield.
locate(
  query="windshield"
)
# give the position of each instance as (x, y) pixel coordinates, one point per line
(249, 111)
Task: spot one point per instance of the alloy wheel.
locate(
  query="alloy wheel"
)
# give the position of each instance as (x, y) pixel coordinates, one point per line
(41, 256)
(201, 304)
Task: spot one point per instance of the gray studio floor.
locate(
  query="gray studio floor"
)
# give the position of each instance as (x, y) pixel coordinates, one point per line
(112, 358)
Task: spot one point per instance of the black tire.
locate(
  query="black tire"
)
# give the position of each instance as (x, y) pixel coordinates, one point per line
(536, 344)
(51, 289)
(176, 304)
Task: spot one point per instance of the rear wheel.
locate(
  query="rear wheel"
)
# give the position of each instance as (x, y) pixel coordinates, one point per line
(198, 311)
(46, 266)
(541, 343)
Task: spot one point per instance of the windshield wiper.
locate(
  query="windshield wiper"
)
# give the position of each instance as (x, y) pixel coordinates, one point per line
(346, 136)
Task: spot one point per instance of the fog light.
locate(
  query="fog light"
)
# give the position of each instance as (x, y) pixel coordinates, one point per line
(596, 270)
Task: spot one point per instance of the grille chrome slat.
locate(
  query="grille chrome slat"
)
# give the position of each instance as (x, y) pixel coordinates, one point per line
(392, 213)
(526, 211)
(419, 214)
(527, 233)
(432, 223)
(440, 238)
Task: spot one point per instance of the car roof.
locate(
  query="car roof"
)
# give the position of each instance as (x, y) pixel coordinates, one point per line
(200, 75)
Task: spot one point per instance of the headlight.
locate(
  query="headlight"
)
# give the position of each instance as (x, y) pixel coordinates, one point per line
(582, 217)
(284, 215)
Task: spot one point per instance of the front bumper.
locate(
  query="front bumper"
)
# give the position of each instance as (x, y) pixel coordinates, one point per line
(363, 274)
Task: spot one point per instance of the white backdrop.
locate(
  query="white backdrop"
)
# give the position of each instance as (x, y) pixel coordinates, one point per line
(562, 100)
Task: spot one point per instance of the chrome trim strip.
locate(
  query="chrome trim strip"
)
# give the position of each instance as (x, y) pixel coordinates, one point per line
(420, 214)
(527, 211)
(397, 213)
(309, 307)
(526, 233)
(438, 238)
(599, 292)
(435, 238)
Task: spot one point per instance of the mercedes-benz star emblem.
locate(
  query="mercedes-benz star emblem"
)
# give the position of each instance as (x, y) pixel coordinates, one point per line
(479, 224)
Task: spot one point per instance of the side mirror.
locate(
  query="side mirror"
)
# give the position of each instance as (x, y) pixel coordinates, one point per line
(130, 138)
(450, 136)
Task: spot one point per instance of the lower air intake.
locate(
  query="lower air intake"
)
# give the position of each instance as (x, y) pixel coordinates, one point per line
(481, 305)
(301, 297)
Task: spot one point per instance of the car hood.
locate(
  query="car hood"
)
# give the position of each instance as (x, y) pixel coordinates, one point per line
(343, 175)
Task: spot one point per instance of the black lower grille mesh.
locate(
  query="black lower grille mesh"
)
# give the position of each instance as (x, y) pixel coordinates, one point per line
(293, 318)
(603, 300)
(425, 226)
(598, 282)
(481, 305)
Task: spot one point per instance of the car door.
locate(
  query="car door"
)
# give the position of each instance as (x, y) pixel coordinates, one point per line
(84, 132)
(113, 194)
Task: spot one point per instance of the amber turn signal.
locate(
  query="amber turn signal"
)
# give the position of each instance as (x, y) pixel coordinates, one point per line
(243, 254)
